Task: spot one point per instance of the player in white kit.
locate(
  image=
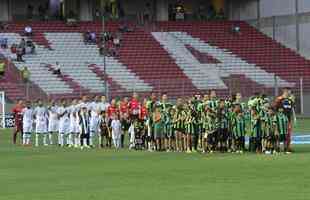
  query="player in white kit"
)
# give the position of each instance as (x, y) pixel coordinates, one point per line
(73, 138)
(27, 123)
(116, 131)
(94, 120)
(41, 115)
(53, 122)
(64, 123)
(103, 104)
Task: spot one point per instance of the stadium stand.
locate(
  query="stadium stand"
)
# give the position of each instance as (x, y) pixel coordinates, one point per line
(179, 58)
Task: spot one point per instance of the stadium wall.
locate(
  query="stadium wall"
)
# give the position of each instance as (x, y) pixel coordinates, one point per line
(17, 9)
(242, 9)
(253, 9)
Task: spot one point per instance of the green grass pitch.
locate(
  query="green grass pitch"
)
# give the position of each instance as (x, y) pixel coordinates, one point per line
(51, 173)
(302, 126)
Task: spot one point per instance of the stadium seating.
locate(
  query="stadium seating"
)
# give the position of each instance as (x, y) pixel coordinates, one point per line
(251, 45)
(179, 58)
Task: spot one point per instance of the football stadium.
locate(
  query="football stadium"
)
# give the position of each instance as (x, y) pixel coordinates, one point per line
(154, 99)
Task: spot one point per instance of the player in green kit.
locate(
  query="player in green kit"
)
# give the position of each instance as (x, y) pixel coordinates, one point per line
(209, 126)
(222, 120)
(178, 121)
(281, 122)
(150, 105)
(164, 105)
(264, 119)
(197, 106)
(239, 129)
(256, 132)
(201, 107)
(213, 101)
(169, 130)
(230, 116)
(158, 129)
(189, 127)
(192, 125)
(269, 131)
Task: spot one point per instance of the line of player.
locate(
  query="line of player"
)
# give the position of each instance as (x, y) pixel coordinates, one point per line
(204, 124)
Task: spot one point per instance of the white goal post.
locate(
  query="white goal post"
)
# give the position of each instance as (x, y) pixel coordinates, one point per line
(2, 109)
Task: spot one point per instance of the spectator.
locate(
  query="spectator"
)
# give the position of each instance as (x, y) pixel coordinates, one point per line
(102, 50)
(41, 12)
(221, 14)
(171, 14)
(25, 74)
(30, 12)
(116, 42)
(71, 19)
(107, 10)
(123, 28)
(3, 26)
(114, 52)
(211, 12)
(4, 43)
(22, 45)
(2, 68)
(236, 29)
(179, 12)
(97, 15)
(147, 14)
(28, 31)
(28, 50)
(14, 48)
(106, 36)
(30, 47)
(114, 10)
(121, 12)
(117, 39)
(19, 53)
(201, 13)
(92, 37)
(87, 37)
(57, 69)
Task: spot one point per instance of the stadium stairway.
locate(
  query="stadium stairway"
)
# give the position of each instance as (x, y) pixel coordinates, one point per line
(57, 42)
(35, 63)
(202, 76)
(77, 89)
(141, 53)
(112, 85)
(229, 63)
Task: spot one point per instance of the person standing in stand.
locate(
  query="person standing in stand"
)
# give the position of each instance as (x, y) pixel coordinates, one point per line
(18, 116)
